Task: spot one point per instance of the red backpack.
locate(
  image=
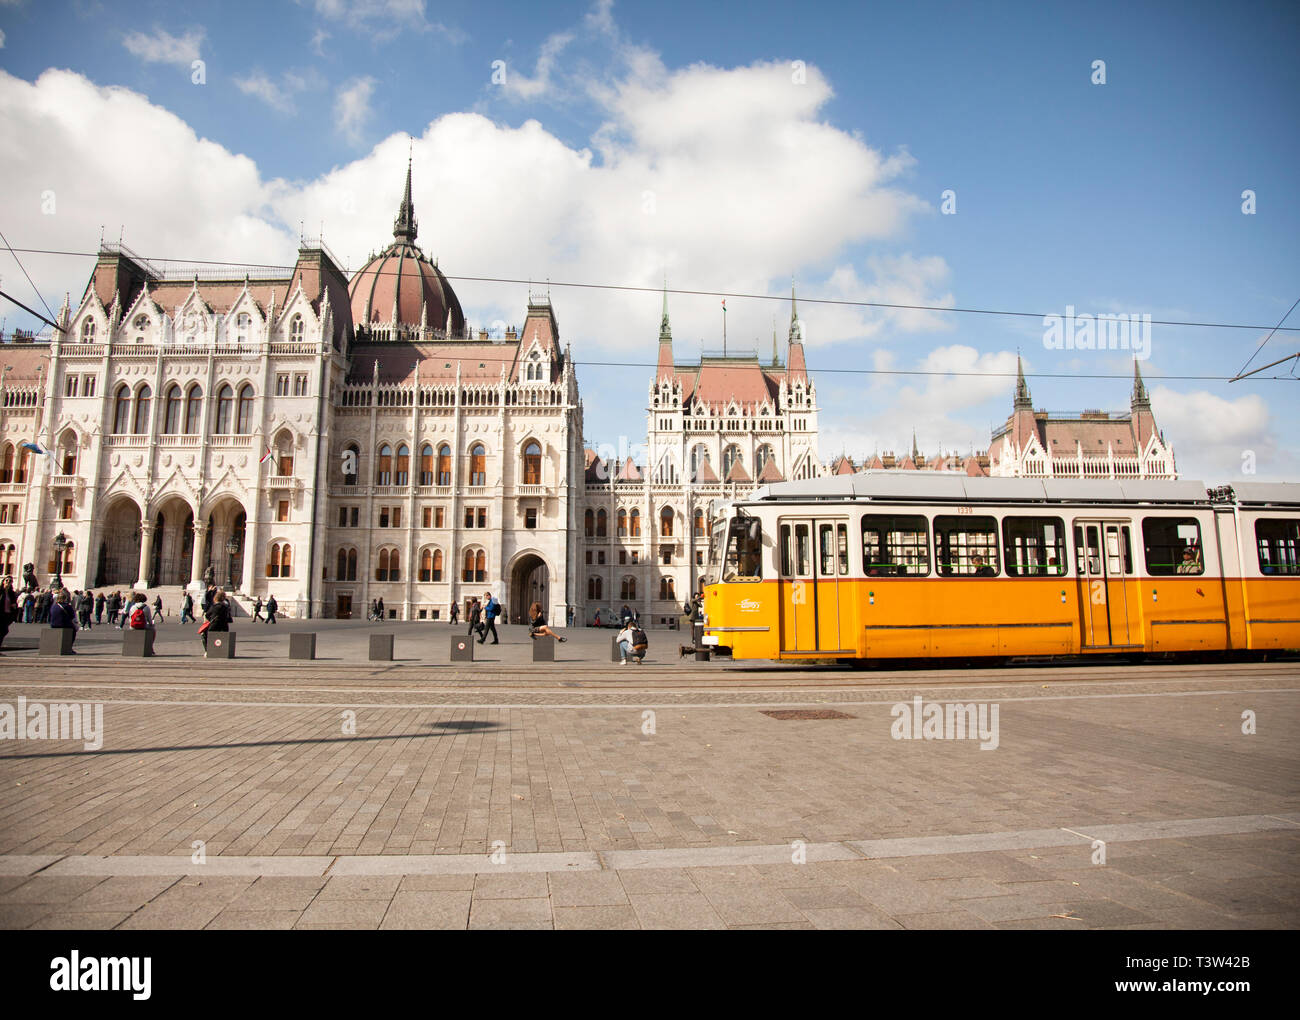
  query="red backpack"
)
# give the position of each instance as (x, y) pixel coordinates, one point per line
(137, 617)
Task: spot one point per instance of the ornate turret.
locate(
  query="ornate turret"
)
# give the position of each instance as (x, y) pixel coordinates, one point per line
(405, 226)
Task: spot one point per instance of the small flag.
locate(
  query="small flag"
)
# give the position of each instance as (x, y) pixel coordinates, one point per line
(269, 455)
(36, 448)
(724, 305)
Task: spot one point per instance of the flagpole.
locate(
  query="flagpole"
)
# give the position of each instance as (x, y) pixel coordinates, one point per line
(724, 329)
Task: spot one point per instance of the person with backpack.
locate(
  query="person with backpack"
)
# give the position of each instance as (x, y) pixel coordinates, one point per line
(491, 609)
(216, 618)
(271, 608)
(138, 615)
(62, 616)
(632, 642)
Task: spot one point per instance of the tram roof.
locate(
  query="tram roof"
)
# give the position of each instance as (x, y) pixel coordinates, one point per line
(943, 487)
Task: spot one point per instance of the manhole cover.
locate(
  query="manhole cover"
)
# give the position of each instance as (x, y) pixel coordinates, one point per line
(808, 713)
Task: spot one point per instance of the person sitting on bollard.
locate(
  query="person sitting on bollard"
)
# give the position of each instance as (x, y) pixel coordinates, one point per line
(62, 616)
(537, 623)
(633, 643)
(138, 613)
(217, 618)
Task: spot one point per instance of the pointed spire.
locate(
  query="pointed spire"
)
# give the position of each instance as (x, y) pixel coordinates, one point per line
(1140, 397)
(796, 329)
(405, 226)
(1023, 400)
(665, 330)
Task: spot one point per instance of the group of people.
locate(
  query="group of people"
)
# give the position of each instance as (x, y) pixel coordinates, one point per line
(377, 610)
(272, 607)
(483, 617)
(36, 605)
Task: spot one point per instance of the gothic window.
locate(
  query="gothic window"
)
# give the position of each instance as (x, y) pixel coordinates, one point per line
(730, 456)
(347, 565)
(193, 410)
(88, 331)
(477, 465)
(426, 464)
(622, 523)
(762, 458)
(634, 524)
(225, 409)
(444, 465)
(666, 590)
(172, 415)
(402, 473)
(244, 420)
(533, 463)
(242, 323)
(384, 469)
(295, 329)
(699, 457)
(595, 589)
(627, 591)
(588, 524)
(666, 522)
(602, 527)
(143, 402)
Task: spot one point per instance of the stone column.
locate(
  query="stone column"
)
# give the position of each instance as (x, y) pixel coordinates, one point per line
(197, 565)
(146, 553)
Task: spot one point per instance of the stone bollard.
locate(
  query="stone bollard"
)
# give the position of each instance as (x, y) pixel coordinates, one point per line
(381, 647)
(302, 646)
(221, 644)
(57, 641)
(462, 648)
(615, 653)
(137, 644)
(544, 648)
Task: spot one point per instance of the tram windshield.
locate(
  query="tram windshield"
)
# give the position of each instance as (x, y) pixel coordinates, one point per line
(743, 560)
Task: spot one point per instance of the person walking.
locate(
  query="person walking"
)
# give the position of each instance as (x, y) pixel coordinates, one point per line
(379, 609)
(271, 608)
(113, 604)
(123, 618)
(8, 607)
(217, 617)
(62, 616)
(475, 613)
(257, 609)
(491, 608)
(187, 608)
(158, 609)
(85, 606)
(455, 613)
(99, 607)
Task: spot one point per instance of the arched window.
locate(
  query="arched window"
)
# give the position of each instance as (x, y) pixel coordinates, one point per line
(699, 457)
(477, 465)
(347, 565)
(402, 472)
(666, 522)
(699, 523)
(351, 464)
(389, 568)
(244, 424)
(295, 329)
(194, 411)
(444, 465)
(225, 409)
(88, 331)
(8, 558)
(286, 560)
(602, 527)
(627, 591)
(284, 454)
(622, 523)
(426, 564)
(475, 566)
(426, 464)
(589, 524)
(384, 468)
(273, 561)
(634, 524)
(533, 464)
(243, 321)
(172, 412)
(122, 411)
(730, 456)
(7, 466)
(437, 564)
(595, 587)
(20, 472)
(69, 565)
(67, 457)
(762, 458)
(143, 401)
(666, 589)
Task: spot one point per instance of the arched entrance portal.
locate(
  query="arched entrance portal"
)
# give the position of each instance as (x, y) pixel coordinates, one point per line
(528, 584)
(173, 543)
(118, 556)
(226, 520)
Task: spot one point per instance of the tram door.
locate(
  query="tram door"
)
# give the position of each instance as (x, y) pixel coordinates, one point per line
(813, 559)
(1103, 552)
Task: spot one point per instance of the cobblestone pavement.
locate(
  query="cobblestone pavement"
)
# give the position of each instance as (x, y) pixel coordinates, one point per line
(588, 795)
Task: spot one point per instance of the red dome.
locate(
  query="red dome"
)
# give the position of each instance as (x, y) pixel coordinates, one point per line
(400, 286)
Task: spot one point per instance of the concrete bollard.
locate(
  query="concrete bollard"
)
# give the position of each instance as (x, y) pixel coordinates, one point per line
(544, 648)
(137, 644)
(221, 644)
(57, 641)
(302, 646)
(615, 653)
(462, 648)
(381, 647)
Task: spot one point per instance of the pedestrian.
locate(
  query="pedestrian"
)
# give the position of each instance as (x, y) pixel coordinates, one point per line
(99, 607)
(568, 616)
(209, 596)
(537, 623)
(216, 617)
(8, 607)
(379, 609)
(187, 608)
(114, 605)
(625, 615)
(61, 615)
(475, 614)
(44, 604)
(157, 608)
(85, 603)
(271, 607)
(123, 618)
(491, 608)
(597, 618)
(257, 609)
(455, 613)
(138, 615)
(29, 606)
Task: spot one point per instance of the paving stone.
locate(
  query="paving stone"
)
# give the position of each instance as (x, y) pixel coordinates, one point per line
(676, 910)
(434, 909)
(351, 912)
(277, 893)
(587, 889)
(511, 887)
(947, 920)
(596, 917)
(356, 887)
(832, 918)
(24, 915)
(820, 897)
(51, 889)
(436, 883)
(656, 881)
(128, 893)
(249, 920)
(82, 921)
(510, 913)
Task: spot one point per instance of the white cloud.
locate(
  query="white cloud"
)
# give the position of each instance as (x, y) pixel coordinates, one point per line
(164, 48)
(318, 41)
(279, 96)
(519, 86)
(383, 20)
(352, 107)
(2, 39)
(1212, 435)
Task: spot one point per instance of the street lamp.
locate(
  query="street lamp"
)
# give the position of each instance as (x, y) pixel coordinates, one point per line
(60, 544)
(232, 550)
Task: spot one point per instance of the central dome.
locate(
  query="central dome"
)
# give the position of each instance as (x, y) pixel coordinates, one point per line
(400, 287)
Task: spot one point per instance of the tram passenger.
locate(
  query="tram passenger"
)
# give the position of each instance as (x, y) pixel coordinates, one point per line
(979, 568)
(1191, 561)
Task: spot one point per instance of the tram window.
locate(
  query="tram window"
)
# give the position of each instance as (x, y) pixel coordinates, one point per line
(802, 557)
(1278, 543)
(1128, 550)
(834, 555)
(895, 546)
(1035, 546)
(966, 546)
(744, 558)
(787, 551)
(1173, 546)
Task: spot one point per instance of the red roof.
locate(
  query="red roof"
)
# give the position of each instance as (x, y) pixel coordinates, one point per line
(479, 362)
(770, 472)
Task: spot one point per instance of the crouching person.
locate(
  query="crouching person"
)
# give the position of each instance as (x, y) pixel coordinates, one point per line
(632, 642)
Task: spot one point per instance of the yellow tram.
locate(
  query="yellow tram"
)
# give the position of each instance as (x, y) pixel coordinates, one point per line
(889, 565)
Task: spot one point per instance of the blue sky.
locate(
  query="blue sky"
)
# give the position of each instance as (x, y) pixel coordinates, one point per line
(732, 146)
